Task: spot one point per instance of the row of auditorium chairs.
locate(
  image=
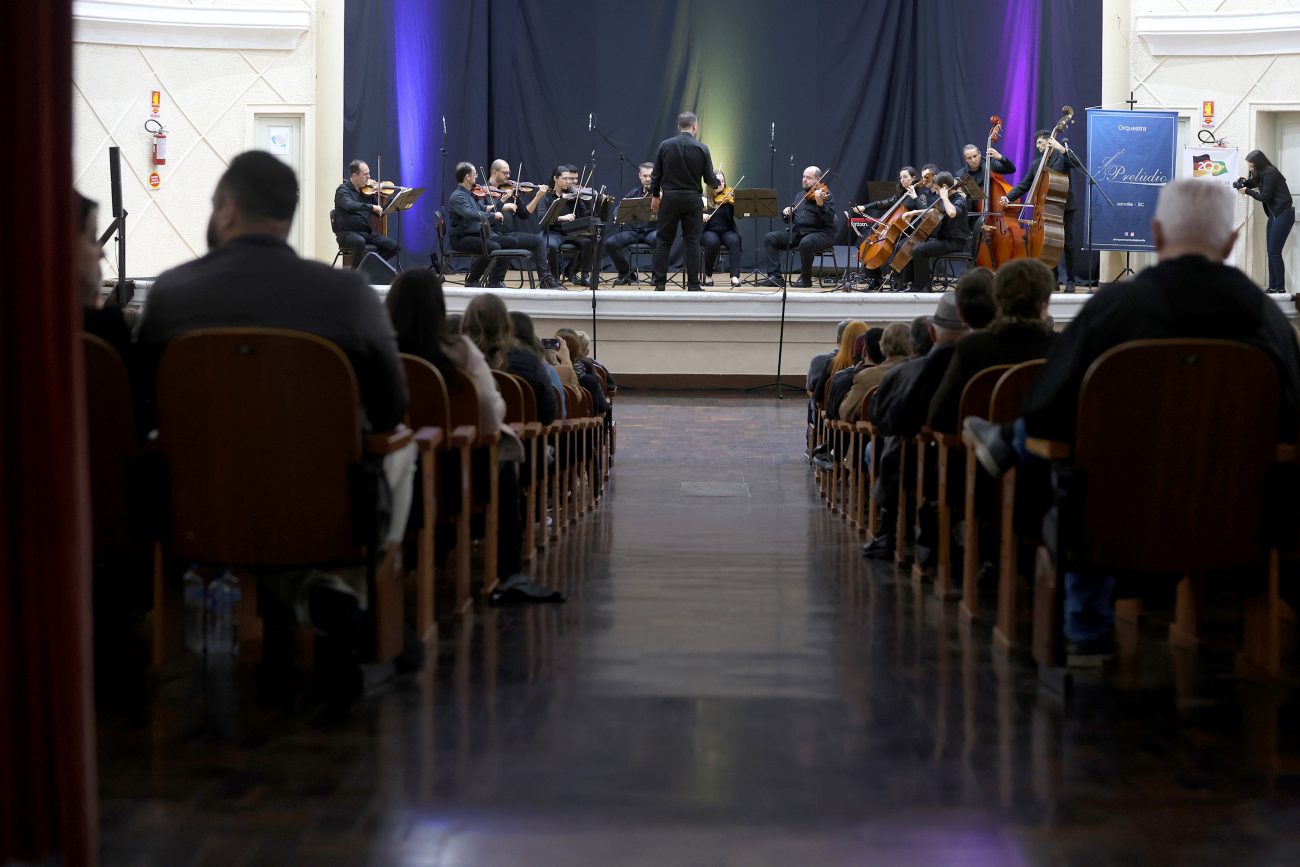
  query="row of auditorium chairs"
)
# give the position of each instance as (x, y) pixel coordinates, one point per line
(259, 463)
(1173, 473)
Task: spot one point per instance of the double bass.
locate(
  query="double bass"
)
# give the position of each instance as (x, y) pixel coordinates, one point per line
(1045, 226)
(1002, 238)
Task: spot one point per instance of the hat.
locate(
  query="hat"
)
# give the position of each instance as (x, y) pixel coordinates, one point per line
(945, 315)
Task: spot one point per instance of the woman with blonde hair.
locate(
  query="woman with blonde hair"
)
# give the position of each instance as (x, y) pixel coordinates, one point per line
(842, 359)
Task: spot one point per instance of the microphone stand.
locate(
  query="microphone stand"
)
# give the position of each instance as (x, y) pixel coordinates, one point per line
(442, 175)
(785, 295)
(622, 158)
(1072, 157)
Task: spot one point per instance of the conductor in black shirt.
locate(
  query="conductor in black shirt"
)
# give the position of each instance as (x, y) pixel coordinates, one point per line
(682, 162)
(352, 212)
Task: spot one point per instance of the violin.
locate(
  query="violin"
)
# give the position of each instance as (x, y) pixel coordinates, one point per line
(818, 188)
(727, 195)
(479, 191)
(582, 194)
(523, 186)
(386, 188)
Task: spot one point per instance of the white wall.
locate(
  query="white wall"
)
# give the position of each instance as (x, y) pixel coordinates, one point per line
(1244, 55)
(237, 58)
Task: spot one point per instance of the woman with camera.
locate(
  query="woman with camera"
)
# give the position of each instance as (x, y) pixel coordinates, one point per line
(1267, 184)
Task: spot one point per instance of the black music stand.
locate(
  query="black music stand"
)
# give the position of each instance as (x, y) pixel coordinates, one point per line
(756, 203)
(636, 209)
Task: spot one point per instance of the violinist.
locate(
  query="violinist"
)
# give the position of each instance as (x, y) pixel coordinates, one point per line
(811, 229)
(1061, 159)
(352, 213)
(573, 205)
(631, 233)
(469, 227)
(509, 232)
(720, 230)
(681, 163)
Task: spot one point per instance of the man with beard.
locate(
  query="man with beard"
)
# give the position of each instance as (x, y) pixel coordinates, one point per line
(251, 278)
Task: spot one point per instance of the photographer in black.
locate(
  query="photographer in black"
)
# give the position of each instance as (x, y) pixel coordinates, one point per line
(1266, 184)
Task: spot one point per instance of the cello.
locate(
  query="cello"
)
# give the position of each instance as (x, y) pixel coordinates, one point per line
(878, 246)
(1045, 226)
(1001, 238)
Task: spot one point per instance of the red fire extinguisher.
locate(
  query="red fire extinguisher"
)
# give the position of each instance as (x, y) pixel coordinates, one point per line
(159, 141)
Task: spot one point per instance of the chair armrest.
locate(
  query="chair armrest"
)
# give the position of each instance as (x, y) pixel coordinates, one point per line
(488, 437)
(947, 440)
(862, 426)
(463, 436)
(1048, 450)
(387, 442)
(431, 437)
(925, 435)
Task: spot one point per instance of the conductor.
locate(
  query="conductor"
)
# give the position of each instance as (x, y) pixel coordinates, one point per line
(682, 162)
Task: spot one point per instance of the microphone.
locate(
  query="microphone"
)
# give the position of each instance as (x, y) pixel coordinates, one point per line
(444, 124)
(589, 122)
(772, 139)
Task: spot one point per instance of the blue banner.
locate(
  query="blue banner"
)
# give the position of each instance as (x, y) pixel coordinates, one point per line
(1132, 155)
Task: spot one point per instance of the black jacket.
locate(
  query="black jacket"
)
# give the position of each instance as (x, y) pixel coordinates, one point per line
(1006, 341)
(1270, 188)
(810, 217)
(528, 367)
(259, 281)
(1061, 162)
(567, 206)
(465, 215)
(902, 400)
(953, 228)
(1184, 297)
(1002, 166)
(723, 220)
(352, 210)
(682, 164)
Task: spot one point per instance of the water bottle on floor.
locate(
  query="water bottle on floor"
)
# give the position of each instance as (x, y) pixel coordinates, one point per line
(223, 613)
(195, 609)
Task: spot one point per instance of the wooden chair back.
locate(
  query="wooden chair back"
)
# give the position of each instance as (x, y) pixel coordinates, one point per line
(978, 393)
(463, 401)
(530, 402)
(1008, 398)
(110, 425)
(1174, 440)
(261, 429)
(430, 406)
(512, 390)
(573, 397)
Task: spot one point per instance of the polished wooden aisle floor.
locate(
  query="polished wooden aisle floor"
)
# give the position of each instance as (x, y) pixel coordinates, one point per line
(729, 684)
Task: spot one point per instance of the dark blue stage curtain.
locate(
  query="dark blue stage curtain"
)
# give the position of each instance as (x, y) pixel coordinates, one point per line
(860, 88)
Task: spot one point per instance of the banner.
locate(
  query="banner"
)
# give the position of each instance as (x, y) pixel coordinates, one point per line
(1132, 155)
(1210, 164)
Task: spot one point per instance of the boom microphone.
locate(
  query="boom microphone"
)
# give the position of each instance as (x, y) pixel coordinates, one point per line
(589, 122)
(444, 124)
(772, 140)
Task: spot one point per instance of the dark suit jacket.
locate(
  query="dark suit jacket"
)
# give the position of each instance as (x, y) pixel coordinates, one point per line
(903, 399)
(1185, 297)
(257, 281)
(1003, 342)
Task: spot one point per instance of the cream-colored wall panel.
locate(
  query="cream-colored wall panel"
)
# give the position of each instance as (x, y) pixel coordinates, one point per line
(200, 83)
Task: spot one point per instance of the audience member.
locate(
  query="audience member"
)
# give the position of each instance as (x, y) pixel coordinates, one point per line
(252, 277)
(1189, 292)
(842, 358)
(817, 365)
(842, 383)
(526, 334)
(419, 311)
(922, 342)
(1022, 290)
(104, 321)
(895, 347)
(585, 368)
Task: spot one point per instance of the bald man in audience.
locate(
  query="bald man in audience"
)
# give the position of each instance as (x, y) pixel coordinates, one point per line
(251, 277)
(1188, 293)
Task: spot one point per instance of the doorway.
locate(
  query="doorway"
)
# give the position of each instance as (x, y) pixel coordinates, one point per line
(1277, 134)
(282, 135)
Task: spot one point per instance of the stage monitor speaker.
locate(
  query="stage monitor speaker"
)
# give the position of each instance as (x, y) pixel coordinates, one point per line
(376, 270)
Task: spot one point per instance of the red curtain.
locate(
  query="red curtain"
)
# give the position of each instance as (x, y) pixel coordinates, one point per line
(47, 752)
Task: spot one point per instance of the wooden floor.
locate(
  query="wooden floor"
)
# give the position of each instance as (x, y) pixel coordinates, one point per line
(729, 684)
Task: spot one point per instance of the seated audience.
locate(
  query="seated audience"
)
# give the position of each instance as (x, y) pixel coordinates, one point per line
(818, 364)
(104, 321)
(895, 348)
(419, 311)
(1189, 292)
(1021, 290)
(842, 358)
(252, 277)
(585, 368)
(866, 354)
(526, 334)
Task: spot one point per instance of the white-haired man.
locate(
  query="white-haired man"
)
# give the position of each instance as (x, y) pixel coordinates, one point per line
(1189, 292)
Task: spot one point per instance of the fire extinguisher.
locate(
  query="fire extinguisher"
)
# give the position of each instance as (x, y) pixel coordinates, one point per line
(159, 141)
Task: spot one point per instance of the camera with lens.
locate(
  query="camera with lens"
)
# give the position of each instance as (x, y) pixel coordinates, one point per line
(1240, 183)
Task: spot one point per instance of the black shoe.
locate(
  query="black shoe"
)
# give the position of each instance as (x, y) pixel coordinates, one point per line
(802, 283)
(549, 282)
(992, 444)
(660, 287)
(707, 281)
(902, 287)
(773, 282)
(1069, 287)
(1276, 291)
(879, 548)
(623, 280)
(517, 589)
(496, 284)
(695, 288)
(871, 286)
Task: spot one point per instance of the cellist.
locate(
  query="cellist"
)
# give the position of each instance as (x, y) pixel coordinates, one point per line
(950, 236)
(976, 165)
(1062, 159)
(908, 178)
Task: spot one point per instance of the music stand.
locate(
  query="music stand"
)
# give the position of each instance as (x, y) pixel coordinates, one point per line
(635, 210)
(756, 203)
